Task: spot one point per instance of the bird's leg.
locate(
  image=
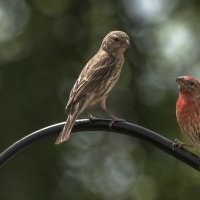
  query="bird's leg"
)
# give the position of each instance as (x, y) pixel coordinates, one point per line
(114, 118)
(178, 143)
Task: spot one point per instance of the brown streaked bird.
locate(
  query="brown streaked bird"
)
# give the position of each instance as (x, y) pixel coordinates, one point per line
(188, 110)
(96, 80)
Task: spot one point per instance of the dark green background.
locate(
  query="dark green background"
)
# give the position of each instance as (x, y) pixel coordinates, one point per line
(44, 44)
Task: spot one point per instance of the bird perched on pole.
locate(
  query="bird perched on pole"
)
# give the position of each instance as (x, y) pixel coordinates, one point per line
(96, 80)
(188, 109)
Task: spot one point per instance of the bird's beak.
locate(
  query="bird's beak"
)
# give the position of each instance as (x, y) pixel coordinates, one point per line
(128, 44)
(180, 80)
(125, 43)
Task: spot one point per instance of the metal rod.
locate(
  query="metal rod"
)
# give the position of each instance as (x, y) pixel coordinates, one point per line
(103, 125)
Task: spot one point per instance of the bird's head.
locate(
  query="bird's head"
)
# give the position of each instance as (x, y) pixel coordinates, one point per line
(189, 86)
(116, 42)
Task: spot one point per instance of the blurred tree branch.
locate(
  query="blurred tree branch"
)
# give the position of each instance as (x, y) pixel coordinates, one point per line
(103, 125)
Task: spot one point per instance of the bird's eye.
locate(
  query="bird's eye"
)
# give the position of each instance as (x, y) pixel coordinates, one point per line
(191, 83)
(116, 39)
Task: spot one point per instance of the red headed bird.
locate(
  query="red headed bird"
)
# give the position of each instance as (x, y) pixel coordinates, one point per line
(188, 109)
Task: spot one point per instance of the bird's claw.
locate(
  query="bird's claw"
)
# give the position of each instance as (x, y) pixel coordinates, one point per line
(91, 118)
(177, 143)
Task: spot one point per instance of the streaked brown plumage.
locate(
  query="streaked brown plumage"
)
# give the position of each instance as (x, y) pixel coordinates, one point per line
(188, 109)
(96, 80)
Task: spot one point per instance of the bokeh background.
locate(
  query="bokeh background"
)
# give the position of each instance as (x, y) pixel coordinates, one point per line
(44, 44)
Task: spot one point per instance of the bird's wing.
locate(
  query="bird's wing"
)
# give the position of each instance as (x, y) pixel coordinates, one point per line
(98, 68)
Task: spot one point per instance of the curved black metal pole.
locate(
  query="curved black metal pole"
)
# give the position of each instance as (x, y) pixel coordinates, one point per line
(103, 125)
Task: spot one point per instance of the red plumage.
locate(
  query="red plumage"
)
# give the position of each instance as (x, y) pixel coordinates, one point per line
(188, 108)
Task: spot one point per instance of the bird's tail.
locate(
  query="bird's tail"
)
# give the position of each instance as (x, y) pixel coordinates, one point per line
(64, 135)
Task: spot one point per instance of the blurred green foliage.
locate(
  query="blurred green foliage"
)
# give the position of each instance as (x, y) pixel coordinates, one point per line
(44, 44)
